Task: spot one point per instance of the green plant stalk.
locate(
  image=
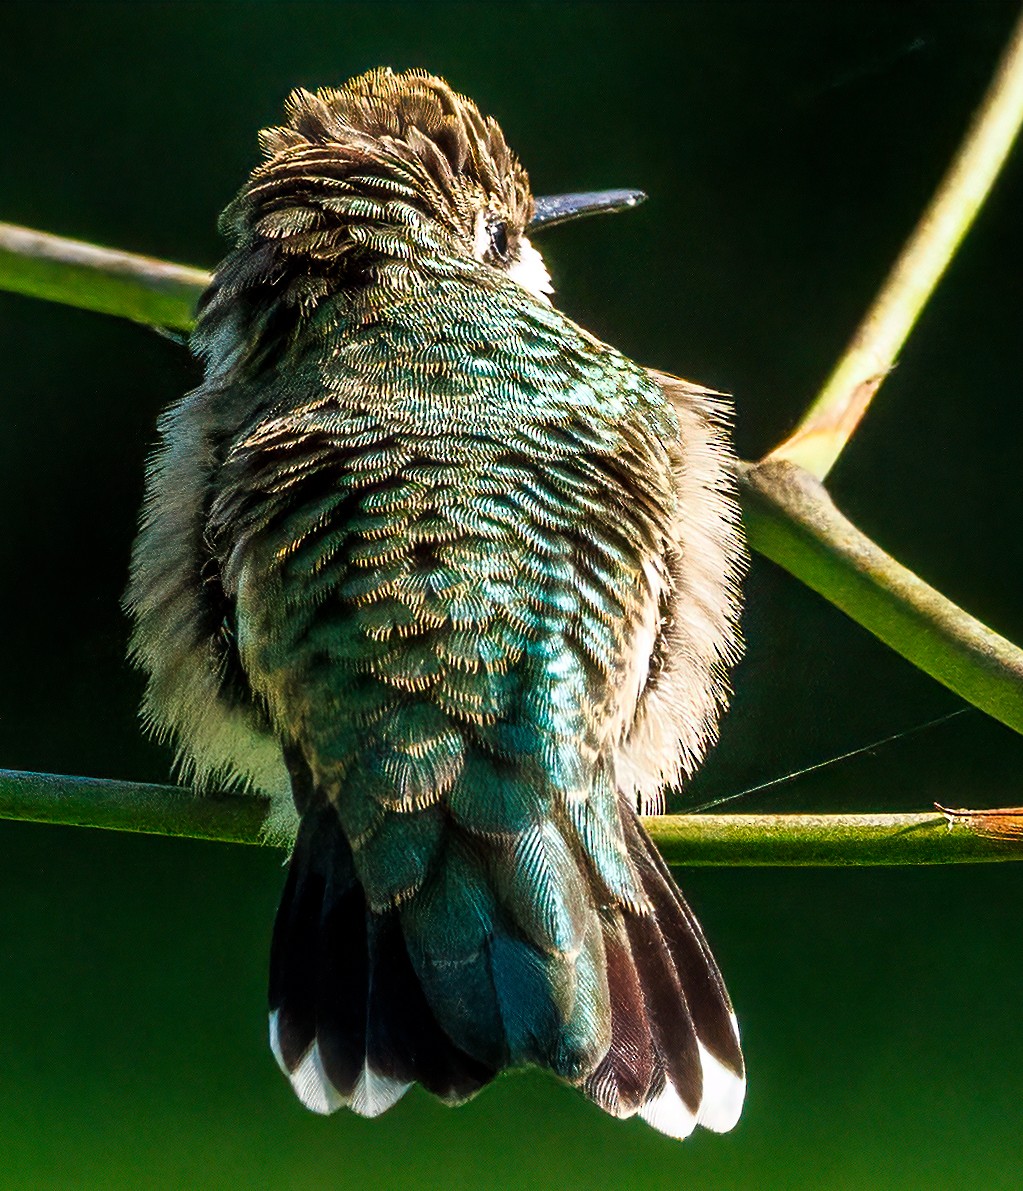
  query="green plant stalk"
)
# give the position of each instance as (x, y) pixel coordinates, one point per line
(825, 840)
(130, 806)
(792, 520)
(102, 279)
(830, 421)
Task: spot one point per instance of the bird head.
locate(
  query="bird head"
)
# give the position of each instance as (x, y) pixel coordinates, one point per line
(391, 177)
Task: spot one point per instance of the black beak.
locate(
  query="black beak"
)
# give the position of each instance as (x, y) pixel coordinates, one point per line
(560, 208)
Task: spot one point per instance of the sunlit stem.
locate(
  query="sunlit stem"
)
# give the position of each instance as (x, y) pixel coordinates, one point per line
(106, 280)
(828, 424)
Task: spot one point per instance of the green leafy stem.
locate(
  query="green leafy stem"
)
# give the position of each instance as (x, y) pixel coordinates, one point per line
(789, 515)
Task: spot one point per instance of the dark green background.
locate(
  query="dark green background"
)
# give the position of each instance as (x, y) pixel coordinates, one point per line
(787, 149)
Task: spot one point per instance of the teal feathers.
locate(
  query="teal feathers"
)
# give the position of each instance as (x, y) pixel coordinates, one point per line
(429, 539)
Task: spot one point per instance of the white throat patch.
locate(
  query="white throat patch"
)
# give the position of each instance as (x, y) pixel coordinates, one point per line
(530, 271)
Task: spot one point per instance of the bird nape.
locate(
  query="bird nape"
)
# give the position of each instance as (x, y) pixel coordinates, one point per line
(456, 584)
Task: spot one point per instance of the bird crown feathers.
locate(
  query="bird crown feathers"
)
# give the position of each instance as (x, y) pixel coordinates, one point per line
(408, 140)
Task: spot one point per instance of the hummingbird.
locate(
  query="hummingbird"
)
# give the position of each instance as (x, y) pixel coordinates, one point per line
(455, 584)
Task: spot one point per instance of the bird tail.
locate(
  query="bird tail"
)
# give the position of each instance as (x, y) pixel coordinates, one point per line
(363, 1004)
(674, 1058)
(349, 1022)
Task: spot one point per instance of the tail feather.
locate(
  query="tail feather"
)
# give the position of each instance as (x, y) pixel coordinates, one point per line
(447, 929)
(677, 1087)
(514, 977)
(691, 1072)
(404, 1038)
(349, 1023)
(342, 977)
(585, 1035)
(621, 1082)
(295, 953)
(706, 995)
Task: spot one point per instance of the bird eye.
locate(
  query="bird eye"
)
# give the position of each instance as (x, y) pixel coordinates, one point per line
(499, 240)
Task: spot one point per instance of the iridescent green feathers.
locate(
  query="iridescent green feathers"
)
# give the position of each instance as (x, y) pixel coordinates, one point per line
(430, 541)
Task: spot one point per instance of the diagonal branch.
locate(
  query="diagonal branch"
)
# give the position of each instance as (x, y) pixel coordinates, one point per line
(102, 279)
(828, 424)
(792, 520)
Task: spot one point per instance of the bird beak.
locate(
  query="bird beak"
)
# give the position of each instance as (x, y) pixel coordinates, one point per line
(560, 208)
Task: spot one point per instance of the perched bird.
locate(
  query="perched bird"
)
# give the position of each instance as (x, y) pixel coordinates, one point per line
(456, 584)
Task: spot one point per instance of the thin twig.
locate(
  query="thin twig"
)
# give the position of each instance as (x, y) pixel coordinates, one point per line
(103, 279)
(682, 839)
(824, 840)
(828, 424)
(792, 520)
